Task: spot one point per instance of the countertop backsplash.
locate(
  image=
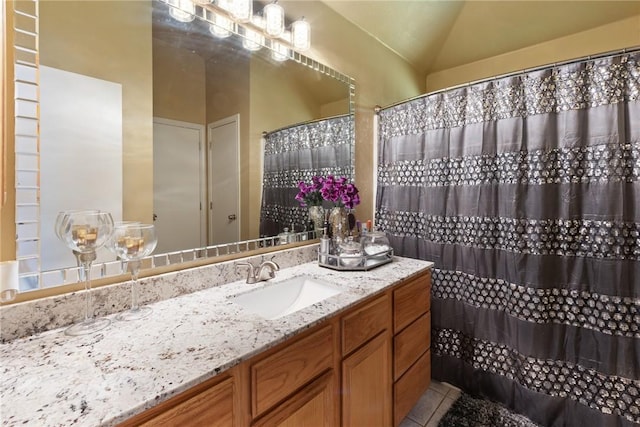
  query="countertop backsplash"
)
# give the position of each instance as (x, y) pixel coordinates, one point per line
(32, 317)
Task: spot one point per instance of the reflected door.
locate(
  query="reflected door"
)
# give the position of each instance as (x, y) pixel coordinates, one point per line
(224, 167)
(178, 185)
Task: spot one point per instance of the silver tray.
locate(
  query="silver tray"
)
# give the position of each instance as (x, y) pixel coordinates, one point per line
(355, 263)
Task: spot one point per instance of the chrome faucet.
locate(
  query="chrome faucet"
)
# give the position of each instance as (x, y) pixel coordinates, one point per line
(265, 271)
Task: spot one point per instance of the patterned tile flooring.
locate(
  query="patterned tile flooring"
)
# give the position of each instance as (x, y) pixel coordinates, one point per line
(432, 406)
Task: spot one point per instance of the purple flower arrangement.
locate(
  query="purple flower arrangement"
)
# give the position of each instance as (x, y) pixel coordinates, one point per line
(332, 189)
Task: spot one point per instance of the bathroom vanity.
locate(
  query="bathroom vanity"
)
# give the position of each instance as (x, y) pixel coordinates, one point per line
(356, 358)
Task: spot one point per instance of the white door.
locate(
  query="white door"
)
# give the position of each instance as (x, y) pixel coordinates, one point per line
(224, 173)
(178, 185)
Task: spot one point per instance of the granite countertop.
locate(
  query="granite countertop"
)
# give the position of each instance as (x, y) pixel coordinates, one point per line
(52, 379)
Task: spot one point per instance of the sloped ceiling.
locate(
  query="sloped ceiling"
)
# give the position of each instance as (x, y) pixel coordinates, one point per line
(433, 35)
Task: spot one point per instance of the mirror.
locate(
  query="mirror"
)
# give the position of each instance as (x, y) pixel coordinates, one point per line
(120, 83)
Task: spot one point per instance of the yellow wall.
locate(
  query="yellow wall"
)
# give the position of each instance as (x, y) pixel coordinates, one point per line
(617, 35)
(72, 39)
(178, 84)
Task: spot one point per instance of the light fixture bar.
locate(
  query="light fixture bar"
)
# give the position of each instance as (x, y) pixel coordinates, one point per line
(226, 17)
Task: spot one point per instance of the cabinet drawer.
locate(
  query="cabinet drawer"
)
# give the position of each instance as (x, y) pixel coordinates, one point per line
(411, 300)
(278, 375)
(408, 389)
(411, 343)
(314, 406)
(212, 407)
(364, 323)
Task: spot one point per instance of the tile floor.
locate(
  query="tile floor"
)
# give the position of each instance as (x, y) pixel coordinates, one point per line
(433, 404)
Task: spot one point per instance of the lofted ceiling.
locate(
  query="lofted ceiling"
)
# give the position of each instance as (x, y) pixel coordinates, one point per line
(433, 35)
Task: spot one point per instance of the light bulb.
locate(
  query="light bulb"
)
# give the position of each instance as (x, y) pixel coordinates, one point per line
(184, 11)
(225, 4)
(242, 10)
(301, 35)
(274, 17)
(253, 40)
(221, 26)
(279, 51)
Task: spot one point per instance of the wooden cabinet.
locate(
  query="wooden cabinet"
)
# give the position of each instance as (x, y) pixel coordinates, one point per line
(367, 366)
(366, 384)
(312, 406)
(276, 376)
(210, 404)
(411, 343)
(364, 322)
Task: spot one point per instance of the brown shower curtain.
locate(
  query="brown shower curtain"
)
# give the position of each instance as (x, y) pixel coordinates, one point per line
(525, 192)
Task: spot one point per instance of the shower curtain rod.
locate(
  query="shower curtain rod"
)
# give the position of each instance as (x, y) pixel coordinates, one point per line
(308, 122)
(377, 108)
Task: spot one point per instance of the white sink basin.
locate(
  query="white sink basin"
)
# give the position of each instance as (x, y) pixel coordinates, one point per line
(286, 297)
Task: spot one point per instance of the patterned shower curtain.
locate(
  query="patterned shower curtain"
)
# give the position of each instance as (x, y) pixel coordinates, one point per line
(295, 154)
(525, 192)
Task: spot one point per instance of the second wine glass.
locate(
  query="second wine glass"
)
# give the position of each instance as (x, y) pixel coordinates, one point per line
(132, 242)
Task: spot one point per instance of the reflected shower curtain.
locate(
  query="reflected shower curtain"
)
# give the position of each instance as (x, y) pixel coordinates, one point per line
(525, 192)
(295, 154)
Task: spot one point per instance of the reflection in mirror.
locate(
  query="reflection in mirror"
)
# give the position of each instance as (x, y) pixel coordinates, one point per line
(156, 120)
(298, 153)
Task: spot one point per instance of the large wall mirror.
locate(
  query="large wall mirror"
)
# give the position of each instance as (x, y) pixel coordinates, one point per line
(156, 120)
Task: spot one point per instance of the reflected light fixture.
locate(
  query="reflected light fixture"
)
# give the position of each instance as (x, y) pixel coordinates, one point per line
(184, 11)
(301, 35)
(253, 40)
(279, 51)
(274, 19)
(221, 26)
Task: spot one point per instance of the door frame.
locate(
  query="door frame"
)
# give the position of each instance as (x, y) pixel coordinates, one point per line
(233, 119)
(201, 169)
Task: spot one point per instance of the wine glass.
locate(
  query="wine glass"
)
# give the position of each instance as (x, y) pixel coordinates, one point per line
(62, 222)
(84, 232)
(112, 246)
(132, 242)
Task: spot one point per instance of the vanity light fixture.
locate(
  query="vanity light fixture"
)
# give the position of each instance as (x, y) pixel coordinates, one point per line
(301, 35)
(274, 19)
(267, 28)
(184, 11)
(241, 10)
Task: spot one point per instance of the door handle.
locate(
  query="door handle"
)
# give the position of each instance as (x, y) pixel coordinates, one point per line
(232, 217)
(155, 217)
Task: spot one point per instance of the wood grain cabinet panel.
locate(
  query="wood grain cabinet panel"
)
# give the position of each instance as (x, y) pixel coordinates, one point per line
(410, 344)
(366, 385)
(313, 406)
(410, 301)
(210, 408)
(364, 323)
(277, 376)
(408, 389)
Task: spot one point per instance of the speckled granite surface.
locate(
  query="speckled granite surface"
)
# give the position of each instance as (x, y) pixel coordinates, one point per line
(52, 379)
(28, 318)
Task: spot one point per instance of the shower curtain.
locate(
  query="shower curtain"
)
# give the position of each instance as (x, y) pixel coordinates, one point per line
(297, 153)
(525, 192)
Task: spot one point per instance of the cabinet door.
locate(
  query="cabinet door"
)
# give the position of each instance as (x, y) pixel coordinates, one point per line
(366, 384)
(312, 406)
(211, 408)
